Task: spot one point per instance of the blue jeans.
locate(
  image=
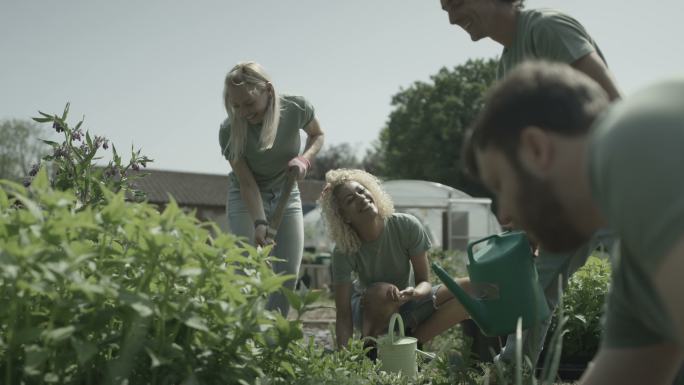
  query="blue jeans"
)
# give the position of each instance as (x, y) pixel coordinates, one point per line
(289, 238)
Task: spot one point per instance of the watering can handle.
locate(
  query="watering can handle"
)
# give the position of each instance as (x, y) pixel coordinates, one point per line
(471, 259)
(393, 320)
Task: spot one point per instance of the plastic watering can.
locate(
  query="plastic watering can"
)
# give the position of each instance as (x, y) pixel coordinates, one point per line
(397, 354)
(504, 283)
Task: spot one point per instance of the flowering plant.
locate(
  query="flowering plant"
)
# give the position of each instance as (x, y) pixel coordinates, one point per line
(72, 163)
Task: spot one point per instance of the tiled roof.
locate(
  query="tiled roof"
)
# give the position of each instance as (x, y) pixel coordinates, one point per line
(195, 189)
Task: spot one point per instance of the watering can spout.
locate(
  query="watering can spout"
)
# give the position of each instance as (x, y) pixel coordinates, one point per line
(474, 307)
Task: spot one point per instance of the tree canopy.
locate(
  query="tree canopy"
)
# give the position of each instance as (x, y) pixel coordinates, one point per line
(424, 134)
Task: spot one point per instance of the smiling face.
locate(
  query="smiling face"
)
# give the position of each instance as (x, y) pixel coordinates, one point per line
(528, 203)
(249, 103)
(356, 204)
(474, 16)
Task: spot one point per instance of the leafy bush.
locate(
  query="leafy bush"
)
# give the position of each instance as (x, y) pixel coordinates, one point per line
(583, 304)
(98, 289)
(125, 294)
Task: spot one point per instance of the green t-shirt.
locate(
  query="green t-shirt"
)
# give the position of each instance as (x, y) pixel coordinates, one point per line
(269, 167)
(636, 158)
(386, 259)
(549, 35)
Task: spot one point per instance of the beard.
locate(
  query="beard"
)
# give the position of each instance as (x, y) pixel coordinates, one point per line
(543, 216)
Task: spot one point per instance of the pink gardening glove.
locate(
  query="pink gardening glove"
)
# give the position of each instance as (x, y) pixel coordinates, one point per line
(301, 163)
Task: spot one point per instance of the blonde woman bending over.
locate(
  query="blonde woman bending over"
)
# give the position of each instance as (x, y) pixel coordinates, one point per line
(389, 253)
(260, 139)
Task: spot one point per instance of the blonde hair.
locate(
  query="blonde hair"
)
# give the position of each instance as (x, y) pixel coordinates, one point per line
(253, 77)
(344, 236)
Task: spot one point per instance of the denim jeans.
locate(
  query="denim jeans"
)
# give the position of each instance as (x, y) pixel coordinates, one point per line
(289, 240)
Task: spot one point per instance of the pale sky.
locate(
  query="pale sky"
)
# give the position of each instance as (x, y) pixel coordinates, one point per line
(150, 73)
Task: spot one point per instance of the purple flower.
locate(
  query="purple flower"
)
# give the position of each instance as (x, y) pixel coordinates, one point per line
(57, 127)
(59, 152)
(27, 182)
(34, 169)
(135, 166)
(101, 141)
(77, 134)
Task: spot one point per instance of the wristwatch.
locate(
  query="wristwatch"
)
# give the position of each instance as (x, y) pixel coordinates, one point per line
(260, 222)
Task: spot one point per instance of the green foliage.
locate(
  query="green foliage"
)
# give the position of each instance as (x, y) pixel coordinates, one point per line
(583, 304)
(19, 148)
(313, 365)
(74, 168)
(120, 293)
(331, 157)
(453, 261)
(424, 135)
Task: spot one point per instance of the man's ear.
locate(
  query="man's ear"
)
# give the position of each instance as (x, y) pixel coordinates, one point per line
(536, 151)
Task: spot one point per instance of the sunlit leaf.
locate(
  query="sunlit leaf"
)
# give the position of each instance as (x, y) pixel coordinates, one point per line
(196, 322)
(59, 334)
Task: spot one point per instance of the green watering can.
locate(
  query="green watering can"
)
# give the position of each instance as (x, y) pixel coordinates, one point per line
(398, 354)
(504, 283)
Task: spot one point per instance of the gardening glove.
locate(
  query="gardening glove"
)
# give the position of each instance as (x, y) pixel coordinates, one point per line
(302, 165)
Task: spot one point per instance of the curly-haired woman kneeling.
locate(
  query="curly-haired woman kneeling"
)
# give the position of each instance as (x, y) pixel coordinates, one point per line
(388, 251)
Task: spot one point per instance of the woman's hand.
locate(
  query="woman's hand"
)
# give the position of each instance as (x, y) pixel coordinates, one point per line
(395, 295)
(408, 294)
(302, 165)
(261, 236)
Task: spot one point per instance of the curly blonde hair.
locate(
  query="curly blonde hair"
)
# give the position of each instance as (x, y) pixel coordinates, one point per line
(342, 233)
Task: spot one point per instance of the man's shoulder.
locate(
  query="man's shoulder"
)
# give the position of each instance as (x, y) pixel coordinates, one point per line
(547, 18)
(541, 15)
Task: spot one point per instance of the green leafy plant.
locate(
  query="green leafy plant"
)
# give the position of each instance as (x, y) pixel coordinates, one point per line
(583, 303)
(74, 167)
(121, 293)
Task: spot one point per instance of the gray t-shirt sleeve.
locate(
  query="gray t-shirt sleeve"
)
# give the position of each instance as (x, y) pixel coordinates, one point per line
(635, 166)
(415, 239)
(341, 267)
(305, 109)
(561, 38)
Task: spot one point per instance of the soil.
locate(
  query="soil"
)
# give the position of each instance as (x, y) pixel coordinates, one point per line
(318, 323)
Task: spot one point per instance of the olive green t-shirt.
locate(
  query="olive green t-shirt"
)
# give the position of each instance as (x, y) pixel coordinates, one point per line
(636, 159)
(386, 259)
(546, 34)
(269, 167)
